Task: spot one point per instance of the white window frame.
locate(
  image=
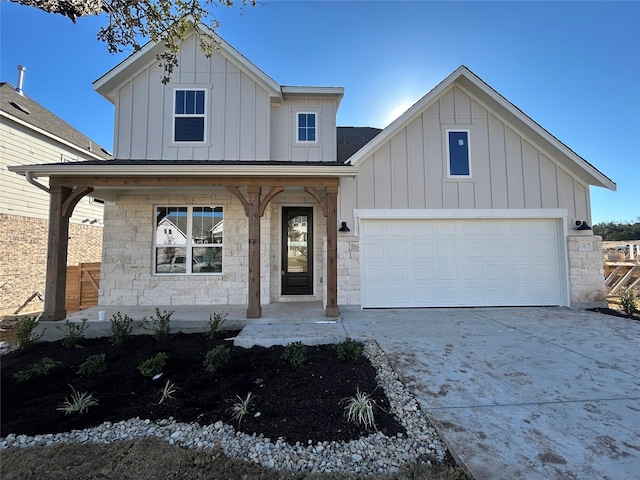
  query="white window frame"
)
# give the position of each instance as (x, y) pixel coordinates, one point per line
(315, 114)
(448, 154)
(175, 115)
(189, 243)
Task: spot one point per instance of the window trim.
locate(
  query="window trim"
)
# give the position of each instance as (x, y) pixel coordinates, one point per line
(317, 130)
(175, 115)
(188, 245)
(448, 152)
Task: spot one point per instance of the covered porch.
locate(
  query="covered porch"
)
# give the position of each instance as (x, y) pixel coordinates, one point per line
(68, 183)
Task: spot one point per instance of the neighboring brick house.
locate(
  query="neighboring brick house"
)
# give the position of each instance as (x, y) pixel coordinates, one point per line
(29, 134)
(463, 200)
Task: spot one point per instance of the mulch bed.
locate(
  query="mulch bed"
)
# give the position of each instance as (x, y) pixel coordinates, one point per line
(616, 313)
(296, 404)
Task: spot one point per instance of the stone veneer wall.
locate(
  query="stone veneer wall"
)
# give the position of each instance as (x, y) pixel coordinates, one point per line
(348, 270)
(586, 271)
(23, 258)
(126, 276)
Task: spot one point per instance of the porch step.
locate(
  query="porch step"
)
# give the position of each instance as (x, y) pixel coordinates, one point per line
(310, 333)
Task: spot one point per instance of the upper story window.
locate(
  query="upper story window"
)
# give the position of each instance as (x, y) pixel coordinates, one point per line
(307, 127)
(189, 116)
(458, 150)
(188, 239)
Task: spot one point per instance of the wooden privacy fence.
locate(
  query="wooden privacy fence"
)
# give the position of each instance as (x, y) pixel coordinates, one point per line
(83, 282)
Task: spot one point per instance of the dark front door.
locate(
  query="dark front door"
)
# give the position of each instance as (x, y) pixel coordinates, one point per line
(297, 251)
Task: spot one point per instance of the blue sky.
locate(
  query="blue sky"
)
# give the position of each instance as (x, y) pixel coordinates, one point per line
(574, 67)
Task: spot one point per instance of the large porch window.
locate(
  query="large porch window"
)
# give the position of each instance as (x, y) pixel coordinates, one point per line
(188, 240)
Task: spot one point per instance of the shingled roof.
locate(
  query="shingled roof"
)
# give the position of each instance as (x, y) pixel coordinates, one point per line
(32, 113)
(352, 139)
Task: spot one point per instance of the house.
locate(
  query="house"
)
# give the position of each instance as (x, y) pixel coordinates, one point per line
(30, 134)
(462, 201)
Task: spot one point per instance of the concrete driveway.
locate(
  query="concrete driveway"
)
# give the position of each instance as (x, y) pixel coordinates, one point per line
(547, 393)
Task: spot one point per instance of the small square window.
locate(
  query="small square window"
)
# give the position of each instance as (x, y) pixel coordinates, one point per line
(459, 154)
(189, 115)
(306, 127)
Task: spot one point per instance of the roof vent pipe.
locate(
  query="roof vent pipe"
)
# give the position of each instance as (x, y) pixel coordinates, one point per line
(21, 71)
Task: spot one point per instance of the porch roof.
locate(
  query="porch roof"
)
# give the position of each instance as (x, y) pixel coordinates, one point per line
(186, 168)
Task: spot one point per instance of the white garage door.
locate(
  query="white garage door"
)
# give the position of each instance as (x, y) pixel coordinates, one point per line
(460, 262)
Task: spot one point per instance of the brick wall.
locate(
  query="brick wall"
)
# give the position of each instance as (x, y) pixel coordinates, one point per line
(23, 257)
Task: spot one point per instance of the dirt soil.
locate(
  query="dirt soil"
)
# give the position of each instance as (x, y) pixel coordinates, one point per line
(151, 459)
(297, 404)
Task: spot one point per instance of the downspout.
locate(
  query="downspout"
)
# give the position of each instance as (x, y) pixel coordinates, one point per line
(32, 181)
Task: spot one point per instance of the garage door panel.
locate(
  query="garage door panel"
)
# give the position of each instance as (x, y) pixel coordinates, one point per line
(397, 250)
(442, 262)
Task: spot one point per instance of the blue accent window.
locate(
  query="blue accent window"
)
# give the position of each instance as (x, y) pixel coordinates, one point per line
(459, 153)
(189, 116)
(306, 127)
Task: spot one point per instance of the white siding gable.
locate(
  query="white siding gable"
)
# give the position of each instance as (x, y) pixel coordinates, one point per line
(509, 171)
(237, 111)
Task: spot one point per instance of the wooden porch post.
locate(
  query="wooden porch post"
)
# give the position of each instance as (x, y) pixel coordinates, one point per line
(254, 310)
(62, 201)
(57, 243)
(332, 252)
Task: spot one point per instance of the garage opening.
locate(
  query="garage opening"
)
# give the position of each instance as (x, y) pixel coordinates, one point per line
(426, 262)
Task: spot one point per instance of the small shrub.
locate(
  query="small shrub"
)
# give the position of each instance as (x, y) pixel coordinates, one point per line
(73, 333)
(167, 392)
(38, 369)
(215, 324)
(160, 325)
(295, 353)
(121, 327)
(215, 358)
(24, 332)
(349, 350)
(240, 408)
(359, 409)
(93, 365)
(153, 366)
(79, 403)
(628, 300)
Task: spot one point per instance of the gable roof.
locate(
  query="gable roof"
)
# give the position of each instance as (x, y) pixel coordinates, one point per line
(500, 106)
(108, 83)
(32, 115)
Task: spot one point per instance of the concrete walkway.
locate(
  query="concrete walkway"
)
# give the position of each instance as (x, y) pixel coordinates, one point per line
(520, 393)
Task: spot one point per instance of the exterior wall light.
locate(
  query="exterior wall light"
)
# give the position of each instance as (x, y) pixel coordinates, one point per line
(582, 225)
(344, 228)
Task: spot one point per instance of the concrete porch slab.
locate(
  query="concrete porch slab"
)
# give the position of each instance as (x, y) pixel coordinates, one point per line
(317, 332)
(191, 319)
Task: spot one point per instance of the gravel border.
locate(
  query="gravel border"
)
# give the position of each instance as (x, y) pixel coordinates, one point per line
(375, 453)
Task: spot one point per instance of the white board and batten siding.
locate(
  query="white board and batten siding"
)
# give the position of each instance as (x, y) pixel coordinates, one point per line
(492, 258)
(241, 123)
(20, 145)
(237, 111)
(283, 130)
(508, 171)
